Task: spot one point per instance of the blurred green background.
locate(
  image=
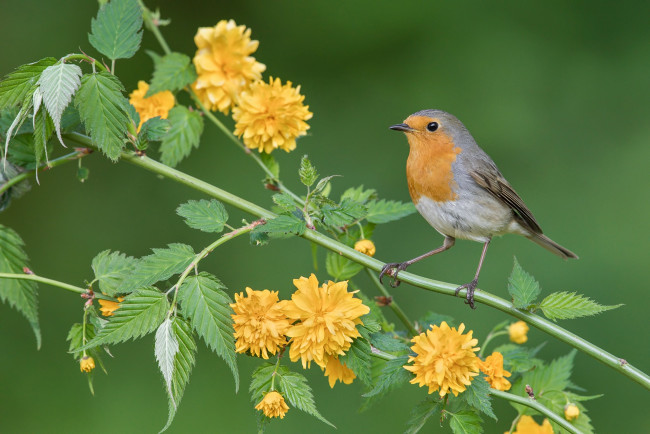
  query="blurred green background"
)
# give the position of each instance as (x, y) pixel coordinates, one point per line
(556, 92)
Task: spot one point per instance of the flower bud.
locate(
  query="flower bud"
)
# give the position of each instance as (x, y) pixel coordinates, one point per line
(571, 412)
(87, 364)
(518, 331)
(366, 247)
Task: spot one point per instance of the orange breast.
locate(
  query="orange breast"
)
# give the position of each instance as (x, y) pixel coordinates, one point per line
(428, 169)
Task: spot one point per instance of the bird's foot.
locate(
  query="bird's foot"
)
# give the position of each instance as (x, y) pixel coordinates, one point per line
(392, 269)
(471, 287)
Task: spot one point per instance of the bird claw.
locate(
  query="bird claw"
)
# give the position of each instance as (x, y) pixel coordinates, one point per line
(471, 287)
(392, 269)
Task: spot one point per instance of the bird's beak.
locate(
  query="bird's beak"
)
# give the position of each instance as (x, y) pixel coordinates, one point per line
(401, 127)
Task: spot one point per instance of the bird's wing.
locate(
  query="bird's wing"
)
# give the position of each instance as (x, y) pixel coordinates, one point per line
(492, 180)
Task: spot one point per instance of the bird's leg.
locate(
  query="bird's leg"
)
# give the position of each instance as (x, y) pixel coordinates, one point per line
(471, 286)
(393, 268)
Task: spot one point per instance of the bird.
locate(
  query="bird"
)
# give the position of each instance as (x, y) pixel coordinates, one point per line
(459, 191)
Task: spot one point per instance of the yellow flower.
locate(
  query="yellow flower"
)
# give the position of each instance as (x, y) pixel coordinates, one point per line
(518, 332)
(444, 359)
(87, 364)
(492, 367)
(571, 412)
(271, 116)
(109, 307)
(273, 405)
(337, 371)
(158, 104)
(327, 319)
(366, 247)
(527, 425)
(260, 323)
(224, 64)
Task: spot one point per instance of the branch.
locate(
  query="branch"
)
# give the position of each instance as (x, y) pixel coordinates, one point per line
(446, 288)
(53, 282)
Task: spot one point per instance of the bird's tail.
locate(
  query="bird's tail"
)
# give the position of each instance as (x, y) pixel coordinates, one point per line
(552, 246)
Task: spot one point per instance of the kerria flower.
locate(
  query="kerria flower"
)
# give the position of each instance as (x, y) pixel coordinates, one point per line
(86, 364)
(337, 371)
(518, 331)
(271, 116)
(444, 359)
(492, 367)
(224, 64)
(327, 320)
(527, 425)
(260, 323)
(108, 307)
(366, 247)
(158, 104)
(273, 405)
(571, 412)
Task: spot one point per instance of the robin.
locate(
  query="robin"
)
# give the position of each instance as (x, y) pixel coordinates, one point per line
(459, 190)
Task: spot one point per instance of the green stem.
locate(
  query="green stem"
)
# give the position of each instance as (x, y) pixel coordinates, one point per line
(77, 154)
(89, 60)
(393, 304)
(83, 330)
(487, 340)
(376, 352)
(53, 282)
(536, 406)
(152, 26)
(445, 288)
(277, 365)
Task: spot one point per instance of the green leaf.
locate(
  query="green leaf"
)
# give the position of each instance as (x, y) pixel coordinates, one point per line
(139, 314)
(165, 348)
(161, 265)
(184, 133)
(17, 85)
(421, 414)
(20, 294)
(20, 118)
(183, 363)
(207, 306)
(43, 129)
(357, 358)
(9, 171)
(517, 358)
(359, 194)
(567, 305)
(392, 375)
(204, 215)
(57, 84)
(111, 269)
(261, 381)
(477, 395)
(103, 108)
(323, 187)
(171, 72)
(465, 422)
(433, 318)
(388, 342)
(523, 287)
(271, 163)
(116, 31)
(384, 211)
(155, 129)
(283, 226)
(340, 267)
(75, 336)
(294, 388)
(344, 214)
(284, 201)
(307, 172)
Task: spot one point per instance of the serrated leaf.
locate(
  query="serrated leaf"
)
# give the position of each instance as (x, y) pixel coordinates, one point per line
(283, 226)
(388, 342)
(17, 85)
(43, 129)
(171, 72)
(271, 163)
(155, 129)
(116, 31)
(477, 395)
(183, 363)
(111, 268)
(344, 214)
(184, 133)
(139, 314)
(294, 388)
(19, 120)
(465, 422)
(433, 318)
(568, 305)
(392, 375)
(58, 83)
(323, 185)
(523, 287)
(103, 108)
(384, 211)
(517, 358)
(357, 358)
(284, 201)
(19, 293)
(204, 215)
(261, 381)
(359, 194)
(207, 306)
(161, 265)
(307, 172)
(340, 267)
(421, 414)
(165, 348)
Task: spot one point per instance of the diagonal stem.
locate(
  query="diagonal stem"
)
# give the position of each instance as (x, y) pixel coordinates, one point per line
(393, 304)
(53, 282)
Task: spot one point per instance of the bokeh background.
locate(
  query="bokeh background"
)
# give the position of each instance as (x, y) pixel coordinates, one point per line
(556, 92)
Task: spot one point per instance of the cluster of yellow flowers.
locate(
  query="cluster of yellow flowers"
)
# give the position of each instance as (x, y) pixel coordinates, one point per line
(319, 323)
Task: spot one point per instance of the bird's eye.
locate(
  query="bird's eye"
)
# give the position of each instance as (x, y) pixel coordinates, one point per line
(432, 126)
